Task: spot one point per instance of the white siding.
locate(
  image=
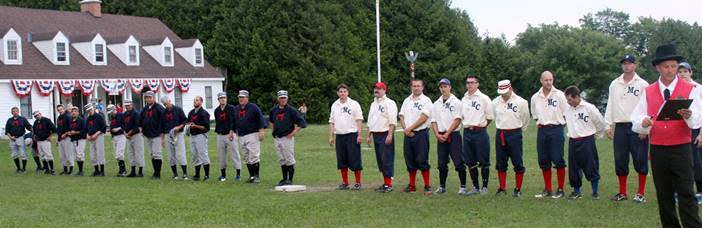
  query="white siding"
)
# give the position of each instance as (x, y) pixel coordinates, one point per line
(198, 89)
(7, 103)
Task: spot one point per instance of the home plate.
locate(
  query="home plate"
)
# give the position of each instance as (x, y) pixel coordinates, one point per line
(291, 188)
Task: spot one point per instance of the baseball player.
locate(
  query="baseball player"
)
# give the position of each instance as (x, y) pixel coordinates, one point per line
(151, 125)
(547, 108)
(96, 139)
(63, 121)
(445, 122)
(225, 118)
(14, 129)
(174, 121)
(198, 125)
(286, 122)
(685, 72)
(511, 119)
(42, 130)
(249, 127)
(77, 133)
(345, 122)
(477, 115)
(119, 141)
(584, 121)
(624, 93)
(414, 118)
(135, 141)
(382, 119)
(31, 145)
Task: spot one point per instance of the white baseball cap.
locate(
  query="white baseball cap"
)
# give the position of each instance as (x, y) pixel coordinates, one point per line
(503, 86)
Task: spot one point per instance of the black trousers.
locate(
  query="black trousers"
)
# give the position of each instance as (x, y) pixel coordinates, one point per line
(672, 173)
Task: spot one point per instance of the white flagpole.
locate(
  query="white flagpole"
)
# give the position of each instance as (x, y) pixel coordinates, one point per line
(377, 34)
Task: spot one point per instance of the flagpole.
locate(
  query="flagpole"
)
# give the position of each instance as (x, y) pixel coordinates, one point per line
(377, 34)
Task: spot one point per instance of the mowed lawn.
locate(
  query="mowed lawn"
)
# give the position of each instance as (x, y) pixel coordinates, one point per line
(31, 200)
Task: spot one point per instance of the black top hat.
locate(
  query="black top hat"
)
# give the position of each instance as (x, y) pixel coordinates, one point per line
(666, 52)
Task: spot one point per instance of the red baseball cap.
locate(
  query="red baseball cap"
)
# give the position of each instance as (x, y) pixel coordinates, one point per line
(380, 85)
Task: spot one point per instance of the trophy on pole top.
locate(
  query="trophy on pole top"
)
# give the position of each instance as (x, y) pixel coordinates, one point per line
(411, 58)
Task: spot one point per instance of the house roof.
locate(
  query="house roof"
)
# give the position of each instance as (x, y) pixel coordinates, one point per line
(116, 28)
(184, 43)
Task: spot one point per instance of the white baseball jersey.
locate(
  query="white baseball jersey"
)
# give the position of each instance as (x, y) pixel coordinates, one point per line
(584, 120)
(382, 114)
(549, 110)
(476, 109)
(344, 116)
(511, 114)
(444, 112)
(622, 99)
(412, 108)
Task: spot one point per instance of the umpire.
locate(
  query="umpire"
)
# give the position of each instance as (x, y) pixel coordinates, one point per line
(286, 123)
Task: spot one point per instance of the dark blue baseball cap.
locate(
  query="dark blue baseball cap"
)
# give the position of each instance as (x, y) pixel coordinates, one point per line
(444, 81)
(628, 58)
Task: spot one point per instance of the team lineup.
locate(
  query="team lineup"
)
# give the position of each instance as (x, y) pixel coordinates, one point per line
(459, 126)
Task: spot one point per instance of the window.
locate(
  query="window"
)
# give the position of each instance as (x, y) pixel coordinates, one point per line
(12, 52)
(198, 55)
(99, 53)
(208, 97)
(78, 100)
(132, 54)
(26, 107)
(138, 99)
(61, 52)
(178, 97)
(167, 55)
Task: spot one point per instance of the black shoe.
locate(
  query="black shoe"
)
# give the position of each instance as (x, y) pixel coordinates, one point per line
(517, 193)
(410, 188)
(342, 187)
(282, 183)
(140, 175)
(80, 173)
(575, 195)
(500, 192)
(156, 177)
(559, 194)
(619, 197)
(384, 189)
(206, 178)
(427, 190)
(544, 194)
(595, 195)
(196, 178)
(251, 180)
(356, 187)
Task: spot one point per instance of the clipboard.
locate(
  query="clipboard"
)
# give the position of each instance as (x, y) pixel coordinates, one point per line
(670, 108)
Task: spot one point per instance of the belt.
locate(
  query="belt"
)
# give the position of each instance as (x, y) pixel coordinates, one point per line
(474, 128)
(420, 130)
(379, 132)
(549, 125)
(625, 124)
(582, 138)
(502, 132)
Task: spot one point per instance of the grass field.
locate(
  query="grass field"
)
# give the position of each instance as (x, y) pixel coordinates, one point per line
(31, 200)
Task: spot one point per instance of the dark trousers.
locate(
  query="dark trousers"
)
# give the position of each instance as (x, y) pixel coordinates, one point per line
(451, 148)
(627, 143)
(476, 147)
(549, 146)
(384, 154)
(582, 159)
(672, 173)
(697, 159)
(348, 152)
(508, 145)
(416, 151)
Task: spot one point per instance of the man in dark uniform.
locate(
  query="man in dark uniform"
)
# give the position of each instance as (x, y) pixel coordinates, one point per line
(64, 143)
(151, 120)
(249, 127)
(135, 141)
(175, 144)
(286, 123)
(77, 133)
(42, 129)
(198, 125)
(119, 141)
(96, 139)
(15, 129)
(226, 138)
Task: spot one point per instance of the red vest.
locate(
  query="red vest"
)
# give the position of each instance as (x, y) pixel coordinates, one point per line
(672, 132)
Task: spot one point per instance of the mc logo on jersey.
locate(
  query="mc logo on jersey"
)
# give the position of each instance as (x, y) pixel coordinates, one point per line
(418, 106)
(512, 107)
(475, 105)
(583, 117)
(633, 90)
(346, 110)
(381, 109)
(449, 107)
(552, 102)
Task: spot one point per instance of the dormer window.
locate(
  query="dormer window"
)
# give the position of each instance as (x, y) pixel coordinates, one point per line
(132, 54)
(12, 50)
(61, 52)
(167, 56)
(99, 53)
(198, 55)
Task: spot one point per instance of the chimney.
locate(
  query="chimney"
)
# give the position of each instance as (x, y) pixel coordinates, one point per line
(91, 6)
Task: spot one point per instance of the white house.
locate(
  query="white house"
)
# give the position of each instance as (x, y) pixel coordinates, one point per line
(52, 57)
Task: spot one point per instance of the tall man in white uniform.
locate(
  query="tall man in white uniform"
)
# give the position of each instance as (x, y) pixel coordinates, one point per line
(511, 119)
(446, 121)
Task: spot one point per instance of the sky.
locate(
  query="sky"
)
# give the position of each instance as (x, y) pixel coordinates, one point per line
(510, 17)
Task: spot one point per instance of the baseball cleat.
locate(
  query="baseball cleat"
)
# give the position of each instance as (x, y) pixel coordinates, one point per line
(282, 183)
(342, 187)
(206, 178)
(237, 178)
(517, 193)
(500, 192)
(410, 188)
(196, 178)
(462, 191)
(384, 189)
(618, 197)
(595, 195)
(175, 177)
(256, 180)
(251, 179)
(185, 177)
(428, 191)
(484, 191)
(559, 194)
(575, 195)
(356, 187)
(698, 196)
(640, 198)
(474, 191)
(440, 190)
(222, 179)
(544, 194)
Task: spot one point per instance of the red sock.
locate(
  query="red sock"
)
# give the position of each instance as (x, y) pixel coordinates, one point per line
(642, 183)
(387, 181)
(425, 176)
(560, 172)
(345, 175)
(502, 176)
(547, 179)
(519, 177)
(413, 178)
(357, 176)
(622, 184)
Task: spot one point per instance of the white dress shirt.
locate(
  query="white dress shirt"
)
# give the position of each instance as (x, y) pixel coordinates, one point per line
(412, 108)
(382, 114)
(584, 120)
(511, 114)
(445, 112)
(622, 99)
(549, 110)
(641, 110)
(344, 116)
(476, 109)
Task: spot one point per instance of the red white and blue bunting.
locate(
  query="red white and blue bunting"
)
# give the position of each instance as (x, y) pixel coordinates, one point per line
(113, 86)
(153, 84)
(169, 84)
(66, 87)
(184, 84)
(137, 85)
(45, 87)
(87, 86)
(22, 87)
